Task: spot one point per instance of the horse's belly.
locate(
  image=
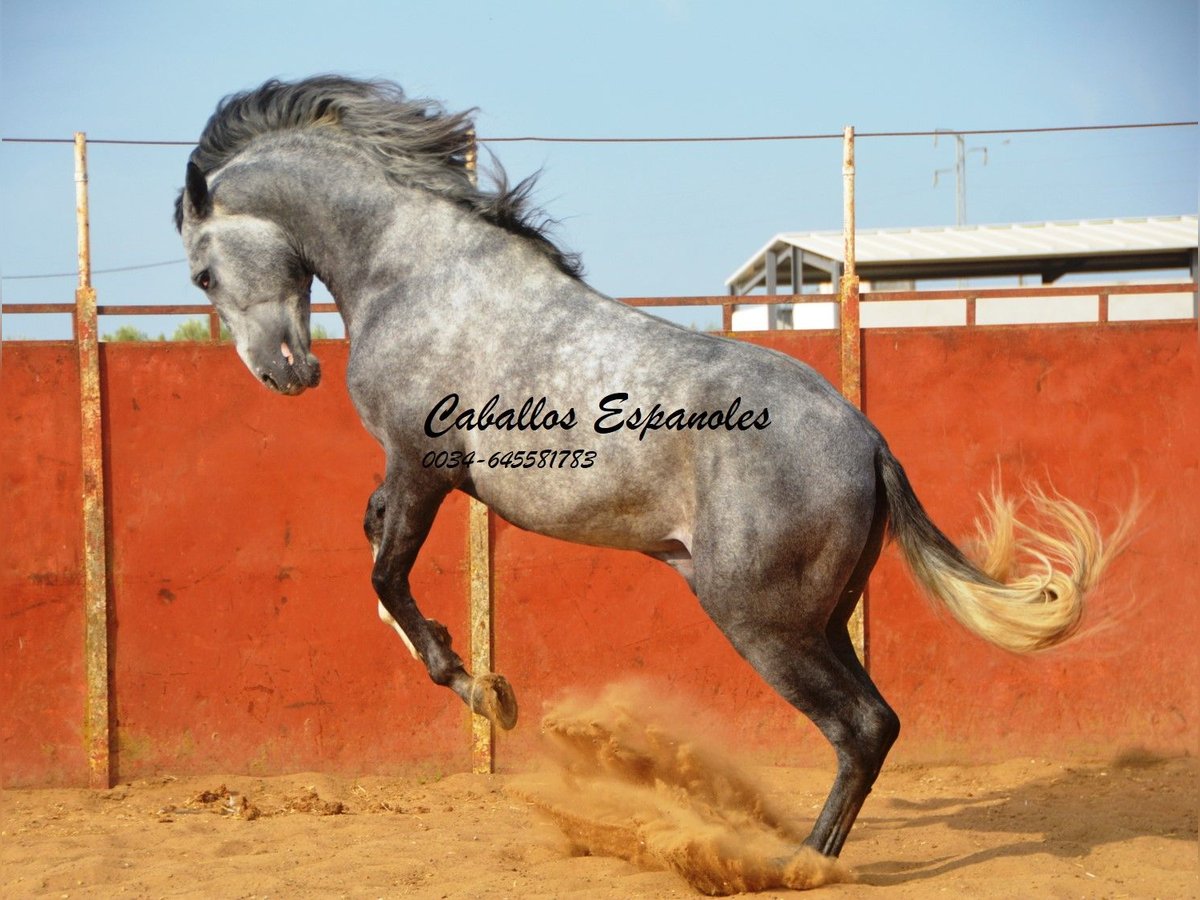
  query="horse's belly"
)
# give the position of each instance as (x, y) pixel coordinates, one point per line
(627, 521)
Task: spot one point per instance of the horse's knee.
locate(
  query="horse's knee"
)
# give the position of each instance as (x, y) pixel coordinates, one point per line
(374, 517)
(381, 580)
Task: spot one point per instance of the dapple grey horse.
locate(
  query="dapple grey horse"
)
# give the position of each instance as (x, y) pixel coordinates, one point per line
(481, 361)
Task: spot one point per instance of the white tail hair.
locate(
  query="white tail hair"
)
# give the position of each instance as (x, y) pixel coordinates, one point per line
(1028, 591)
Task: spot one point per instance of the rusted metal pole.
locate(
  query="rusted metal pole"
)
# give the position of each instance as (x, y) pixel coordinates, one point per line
(95, 562)
(483, 733)
(849, 323)
(479, 566)
(850, 334)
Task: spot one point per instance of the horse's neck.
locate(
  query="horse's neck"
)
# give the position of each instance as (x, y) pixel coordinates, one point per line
(369, 239)
(342, 230)
(426, 253)
(338, 209)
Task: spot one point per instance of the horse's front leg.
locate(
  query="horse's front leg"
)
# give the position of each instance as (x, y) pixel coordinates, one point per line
(399, 516)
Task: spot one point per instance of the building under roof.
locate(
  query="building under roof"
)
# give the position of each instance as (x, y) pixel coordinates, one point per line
(1046, 249)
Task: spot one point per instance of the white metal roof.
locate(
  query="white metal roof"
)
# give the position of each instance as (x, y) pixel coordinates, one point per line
(1050, 248)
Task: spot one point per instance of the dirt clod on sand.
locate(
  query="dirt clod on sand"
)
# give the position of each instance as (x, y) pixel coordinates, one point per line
(640, 787)
(229, 803)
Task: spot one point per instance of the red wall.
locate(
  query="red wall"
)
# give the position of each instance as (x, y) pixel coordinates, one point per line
(1096, 413)
(41, 596)
(245, 635)
(246, 632)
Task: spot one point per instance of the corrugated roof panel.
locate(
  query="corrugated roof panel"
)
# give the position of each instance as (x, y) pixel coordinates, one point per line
(1106, 239)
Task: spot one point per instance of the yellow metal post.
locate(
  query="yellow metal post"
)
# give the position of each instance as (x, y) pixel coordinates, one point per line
(483, 733)
(479, 565)
(849, 325)
(850, 332)
(95, 562)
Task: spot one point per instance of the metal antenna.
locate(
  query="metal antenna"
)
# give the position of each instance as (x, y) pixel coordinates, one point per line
(960, 172)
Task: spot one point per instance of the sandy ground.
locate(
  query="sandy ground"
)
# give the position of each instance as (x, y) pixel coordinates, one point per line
(1020, 829)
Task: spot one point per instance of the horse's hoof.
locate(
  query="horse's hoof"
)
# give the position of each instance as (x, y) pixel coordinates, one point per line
(492, 697)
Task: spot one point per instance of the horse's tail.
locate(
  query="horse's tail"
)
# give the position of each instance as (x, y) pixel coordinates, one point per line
(1021, 612)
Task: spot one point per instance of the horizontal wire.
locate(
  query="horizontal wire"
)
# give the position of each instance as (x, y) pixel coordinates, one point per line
(833, 135)
(712, 139)
(153, 265)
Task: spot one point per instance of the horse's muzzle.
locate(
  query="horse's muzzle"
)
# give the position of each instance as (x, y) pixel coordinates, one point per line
(291, 376)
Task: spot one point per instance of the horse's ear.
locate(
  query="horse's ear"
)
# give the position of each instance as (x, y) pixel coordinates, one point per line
(197, 191)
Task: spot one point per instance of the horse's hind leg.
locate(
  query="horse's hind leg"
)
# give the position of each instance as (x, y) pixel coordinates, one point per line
(398, 518)
(788, 628)
(837, 631)
(803, 668)
(883, 725)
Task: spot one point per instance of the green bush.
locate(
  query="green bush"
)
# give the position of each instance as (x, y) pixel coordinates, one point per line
(196, 330)
(191, 330)
(126, 333)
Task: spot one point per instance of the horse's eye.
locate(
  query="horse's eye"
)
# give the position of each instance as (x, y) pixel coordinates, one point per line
(203, 280)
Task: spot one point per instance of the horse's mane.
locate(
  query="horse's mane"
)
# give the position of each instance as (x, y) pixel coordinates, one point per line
(416, 141)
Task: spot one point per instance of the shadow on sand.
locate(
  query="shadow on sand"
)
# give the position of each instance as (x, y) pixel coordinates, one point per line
(1067, 814)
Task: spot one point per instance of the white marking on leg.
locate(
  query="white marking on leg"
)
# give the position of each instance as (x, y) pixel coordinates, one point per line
(387, 617)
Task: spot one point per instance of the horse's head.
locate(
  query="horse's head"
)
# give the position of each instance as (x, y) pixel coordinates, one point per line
(256, 280)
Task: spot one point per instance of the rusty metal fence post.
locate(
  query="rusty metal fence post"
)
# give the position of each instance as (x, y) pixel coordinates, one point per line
(479, 568)
(483, 733)
(849, 326)
(95, 561)
(850, 337)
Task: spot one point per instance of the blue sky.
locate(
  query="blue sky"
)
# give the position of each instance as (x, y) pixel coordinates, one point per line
(648, 219)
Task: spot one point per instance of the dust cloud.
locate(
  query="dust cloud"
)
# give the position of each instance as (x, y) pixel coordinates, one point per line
(630, 779)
